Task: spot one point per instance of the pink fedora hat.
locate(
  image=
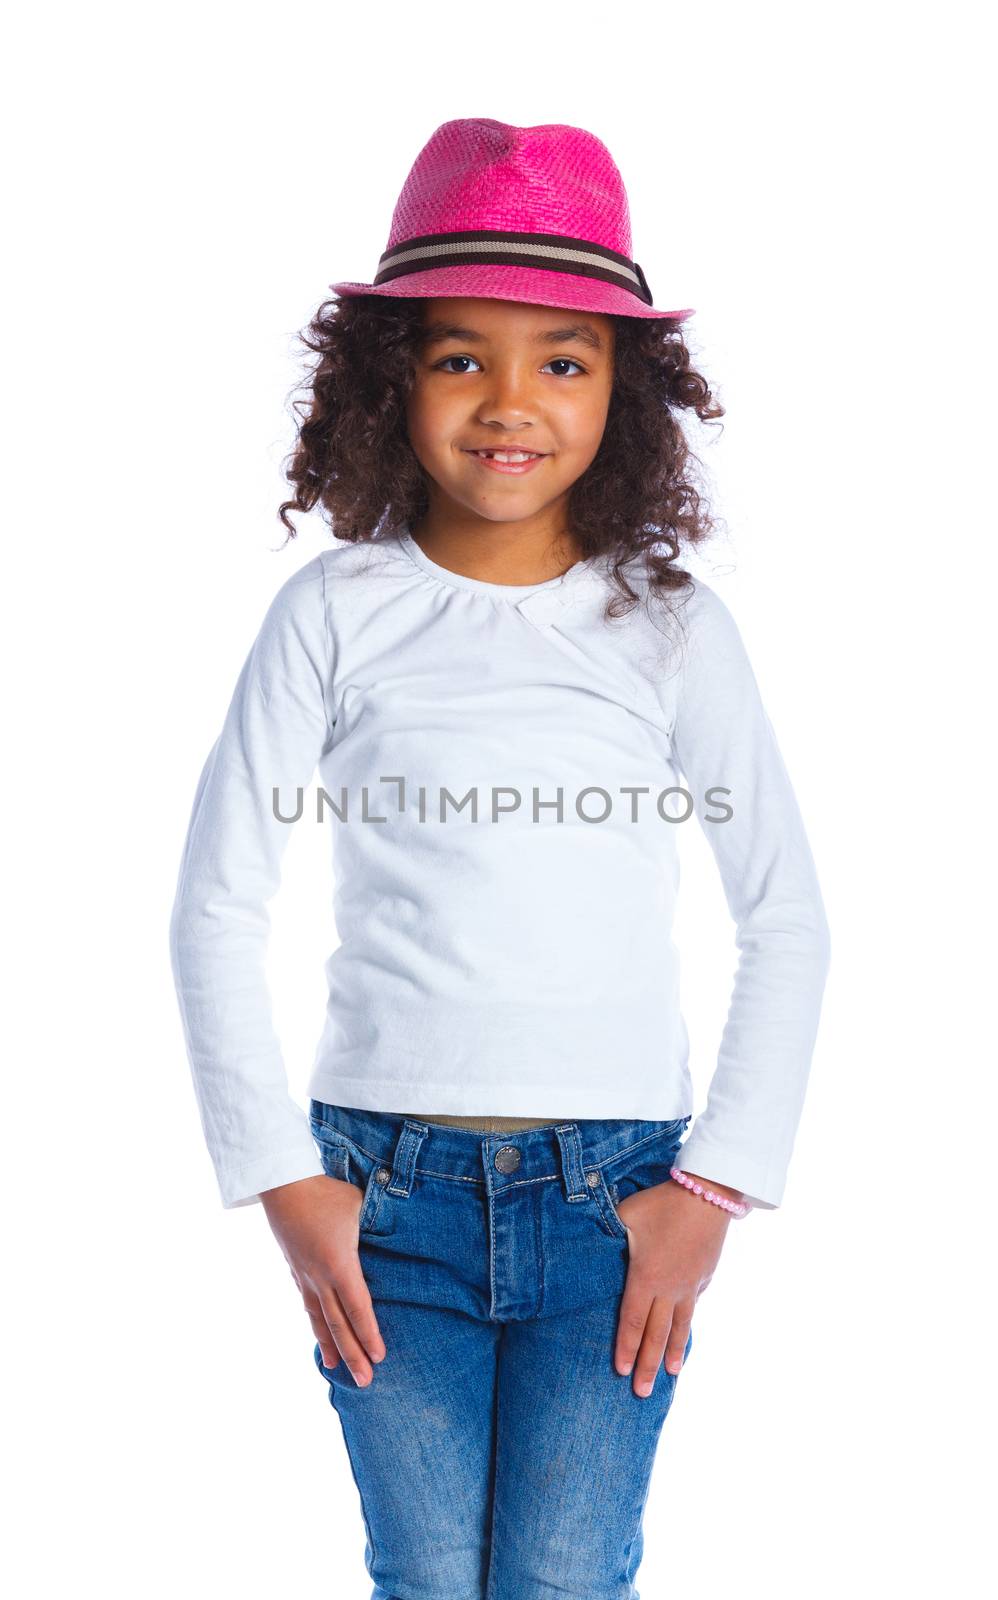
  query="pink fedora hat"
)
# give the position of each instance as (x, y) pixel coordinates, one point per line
(533, 214)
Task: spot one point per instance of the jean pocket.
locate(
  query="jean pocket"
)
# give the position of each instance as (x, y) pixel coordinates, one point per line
(641, 1166)
(342, 1158)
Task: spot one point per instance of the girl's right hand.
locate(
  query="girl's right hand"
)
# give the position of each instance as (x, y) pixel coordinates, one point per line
(316, 1223)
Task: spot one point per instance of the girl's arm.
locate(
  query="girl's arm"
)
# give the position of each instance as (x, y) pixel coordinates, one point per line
(277, 726)
(723, 738)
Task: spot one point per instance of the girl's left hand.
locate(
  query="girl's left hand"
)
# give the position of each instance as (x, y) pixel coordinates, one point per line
(674, 1243)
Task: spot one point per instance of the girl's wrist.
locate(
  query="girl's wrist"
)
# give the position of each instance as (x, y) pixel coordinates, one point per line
(720, 1194)
(718, 1188)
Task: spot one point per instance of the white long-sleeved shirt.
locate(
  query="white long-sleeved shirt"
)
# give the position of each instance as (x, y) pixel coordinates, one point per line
(491, 761)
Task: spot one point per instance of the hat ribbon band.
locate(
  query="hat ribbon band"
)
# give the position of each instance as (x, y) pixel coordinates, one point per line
(550, 252)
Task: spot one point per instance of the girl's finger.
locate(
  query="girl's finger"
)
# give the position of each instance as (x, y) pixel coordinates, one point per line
(676, 1346)
(355, 1298)
(347, 1342)
(327, 1349)
(649, 1358)
(635, 1304)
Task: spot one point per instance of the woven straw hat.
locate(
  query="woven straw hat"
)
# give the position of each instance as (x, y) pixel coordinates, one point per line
(506, 213)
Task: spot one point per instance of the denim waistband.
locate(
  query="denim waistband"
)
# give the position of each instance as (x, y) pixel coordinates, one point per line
(408, 1144)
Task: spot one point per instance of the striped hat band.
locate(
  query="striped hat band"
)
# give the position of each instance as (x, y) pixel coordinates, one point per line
(557, 252)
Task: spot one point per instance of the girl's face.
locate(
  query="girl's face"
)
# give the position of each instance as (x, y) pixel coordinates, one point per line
(497, 373)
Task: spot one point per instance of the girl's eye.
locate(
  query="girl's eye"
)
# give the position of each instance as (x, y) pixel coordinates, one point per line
(442, 364)
(561, 361)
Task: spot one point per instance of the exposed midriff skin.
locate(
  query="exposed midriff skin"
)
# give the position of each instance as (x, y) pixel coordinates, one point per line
(485, 1124)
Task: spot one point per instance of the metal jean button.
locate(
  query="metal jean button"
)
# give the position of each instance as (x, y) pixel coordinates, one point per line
(508, 1158)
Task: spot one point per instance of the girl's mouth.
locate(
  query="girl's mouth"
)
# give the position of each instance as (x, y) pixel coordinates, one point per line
(514, 462)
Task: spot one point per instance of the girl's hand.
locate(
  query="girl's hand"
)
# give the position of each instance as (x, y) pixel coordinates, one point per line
(674, 1242)
(315, 1222)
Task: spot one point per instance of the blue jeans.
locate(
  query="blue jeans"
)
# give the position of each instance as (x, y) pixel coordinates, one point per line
(497, 1452)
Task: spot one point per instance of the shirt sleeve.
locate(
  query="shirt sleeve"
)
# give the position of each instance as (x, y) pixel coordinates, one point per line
(275, 730)
(723, 738)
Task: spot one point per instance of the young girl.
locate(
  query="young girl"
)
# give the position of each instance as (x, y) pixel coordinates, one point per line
(514, 696)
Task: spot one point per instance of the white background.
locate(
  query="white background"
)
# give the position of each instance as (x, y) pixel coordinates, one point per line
(183, 184)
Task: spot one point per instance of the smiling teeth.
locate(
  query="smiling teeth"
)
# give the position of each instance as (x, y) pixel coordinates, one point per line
(507, 455)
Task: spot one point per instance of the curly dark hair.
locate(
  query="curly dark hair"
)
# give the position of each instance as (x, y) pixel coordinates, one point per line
(352, 454)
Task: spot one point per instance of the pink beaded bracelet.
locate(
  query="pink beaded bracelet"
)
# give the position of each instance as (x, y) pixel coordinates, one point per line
(737, 1207)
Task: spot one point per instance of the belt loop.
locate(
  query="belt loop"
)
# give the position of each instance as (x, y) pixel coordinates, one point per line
(572, 1175)
(406, 1150)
